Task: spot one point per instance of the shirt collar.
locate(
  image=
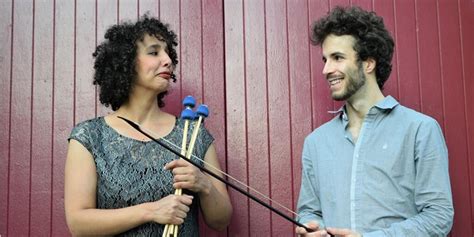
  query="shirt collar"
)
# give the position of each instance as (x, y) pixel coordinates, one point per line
(388, 103)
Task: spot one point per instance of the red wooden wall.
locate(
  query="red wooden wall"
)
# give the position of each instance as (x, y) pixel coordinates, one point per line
(251, 62)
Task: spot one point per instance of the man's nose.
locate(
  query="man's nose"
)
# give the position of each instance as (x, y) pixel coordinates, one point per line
(328, 68)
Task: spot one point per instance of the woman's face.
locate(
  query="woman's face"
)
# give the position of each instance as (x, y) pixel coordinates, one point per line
(153, 64)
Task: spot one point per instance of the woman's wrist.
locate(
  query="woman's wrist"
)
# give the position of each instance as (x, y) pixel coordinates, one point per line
(146, 212)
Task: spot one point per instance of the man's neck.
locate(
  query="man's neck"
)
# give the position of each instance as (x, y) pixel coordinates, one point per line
(360, 103)
(358, 106)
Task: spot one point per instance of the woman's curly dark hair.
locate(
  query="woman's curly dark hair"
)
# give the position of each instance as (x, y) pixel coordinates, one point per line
(115, 58)
(372, 40)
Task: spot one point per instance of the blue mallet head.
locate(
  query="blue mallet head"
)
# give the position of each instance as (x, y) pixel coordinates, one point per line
(189, 101)
(203, 110)
(187, 114)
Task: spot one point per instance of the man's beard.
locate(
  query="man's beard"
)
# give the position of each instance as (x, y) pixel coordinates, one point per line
(353, 84)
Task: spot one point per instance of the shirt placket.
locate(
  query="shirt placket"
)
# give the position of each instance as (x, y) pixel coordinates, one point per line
(356, 170)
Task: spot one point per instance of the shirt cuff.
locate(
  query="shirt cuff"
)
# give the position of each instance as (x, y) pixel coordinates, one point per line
(377, 233)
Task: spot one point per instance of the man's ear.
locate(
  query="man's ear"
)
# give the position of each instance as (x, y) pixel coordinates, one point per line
(369, 65)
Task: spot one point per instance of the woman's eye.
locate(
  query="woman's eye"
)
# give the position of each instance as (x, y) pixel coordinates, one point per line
(153, 53)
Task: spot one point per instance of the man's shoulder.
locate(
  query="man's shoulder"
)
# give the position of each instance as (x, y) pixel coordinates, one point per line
(330, 127)
(411, 115)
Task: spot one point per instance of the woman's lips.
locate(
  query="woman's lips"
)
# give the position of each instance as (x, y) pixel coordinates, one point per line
(165, 75)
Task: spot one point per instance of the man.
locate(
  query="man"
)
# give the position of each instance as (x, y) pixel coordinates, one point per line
(378, 168)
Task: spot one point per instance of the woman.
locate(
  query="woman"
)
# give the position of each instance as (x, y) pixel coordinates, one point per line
(117, 181)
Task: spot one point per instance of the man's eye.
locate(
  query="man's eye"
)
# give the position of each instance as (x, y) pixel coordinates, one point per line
(337, 58)
(153, 53)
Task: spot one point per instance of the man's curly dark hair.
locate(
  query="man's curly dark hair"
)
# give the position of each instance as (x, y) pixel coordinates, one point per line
(372, 40)
(115, 58)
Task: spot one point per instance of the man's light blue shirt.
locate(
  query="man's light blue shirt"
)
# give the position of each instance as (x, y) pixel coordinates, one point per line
(393, 181)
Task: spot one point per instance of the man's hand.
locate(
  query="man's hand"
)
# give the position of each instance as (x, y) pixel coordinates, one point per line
(343, 232)
(312, 225)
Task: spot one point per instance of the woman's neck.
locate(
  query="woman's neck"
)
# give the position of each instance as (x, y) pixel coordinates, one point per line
(141, 110)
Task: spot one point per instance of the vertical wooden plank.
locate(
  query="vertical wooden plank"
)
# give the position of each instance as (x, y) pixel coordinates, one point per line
(170, 13)
(63, 104)
(320, 97)
(257, 113)
(85, 42)
(278, 110)
(214, 72)
(128, 10)
(428, 59)
(191, 52)
(237, 162)
(42, 120)
(20, 144)
(365, 4)
(466, 16)
(455, 123)
(150, 7)
(6, 27)
(300, 87)
(386, 10)
(334, 3)
(406, 47)
(213, 81)
(106, 15)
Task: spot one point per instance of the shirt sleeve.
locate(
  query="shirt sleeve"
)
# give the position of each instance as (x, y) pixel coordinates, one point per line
(206, 138)
(432, 195)
(81, 133)
(309, 206)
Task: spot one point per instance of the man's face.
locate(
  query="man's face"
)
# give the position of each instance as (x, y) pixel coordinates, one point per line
(342, 68)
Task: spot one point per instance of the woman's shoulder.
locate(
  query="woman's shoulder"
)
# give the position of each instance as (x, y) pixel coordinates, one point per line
(92, 123)
(87, 127)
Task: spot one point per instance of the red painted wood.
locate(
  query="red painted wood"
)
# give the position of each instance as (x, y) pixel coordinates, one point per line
(85, 41)
(467, 37)
(20, 138)
(236, 139)
(213, 72)
(455, 120)
(429, 60)
(300, 88)
(127, 10)
(191, 52)
(148, 6)
(406, 47)
(365, 4)
(63, 102)
(256, 103)
(333, 3)
(278, 111)
(5, 102)
(40, 210)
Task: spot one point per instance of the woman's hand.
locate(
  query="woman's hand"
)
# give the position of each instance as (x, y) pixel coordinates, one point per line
(171, 209)
(187, 176)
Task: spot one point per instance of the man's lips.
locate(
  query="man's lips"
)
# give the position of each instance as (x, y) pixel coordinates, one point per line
(335, 80)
